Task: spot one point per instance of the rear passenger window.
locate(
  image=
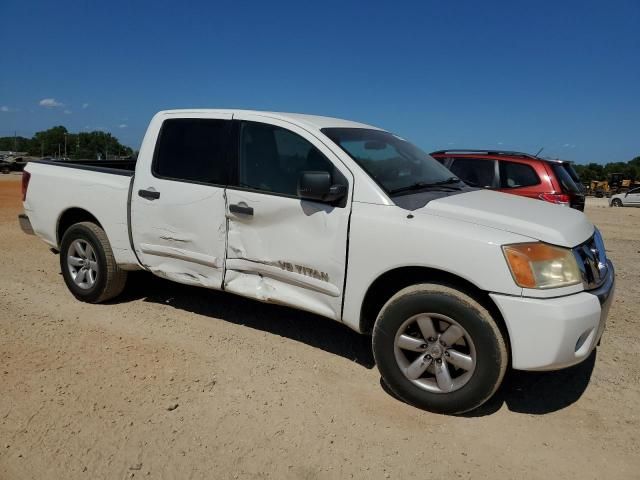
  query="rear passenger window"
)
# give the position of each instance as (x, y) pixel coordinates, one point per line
(272, 159)
(193, 149)
(515, 175)
(476, 172)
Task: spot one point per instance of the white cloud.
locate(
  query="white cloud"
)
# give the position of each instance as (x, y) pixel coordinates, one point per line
(68, 112)
(4, 108)
(50, 103)
(500, 143)
(85, 105)
(123, 125)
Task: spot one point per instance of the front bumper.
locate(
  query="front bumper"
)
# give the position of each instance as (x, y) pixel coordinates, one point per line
(25, 224)
(554, 333)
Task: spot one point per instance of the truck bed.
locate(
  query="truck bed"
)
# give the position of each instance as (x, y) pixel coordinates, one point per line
(117, 167)
(63, 190)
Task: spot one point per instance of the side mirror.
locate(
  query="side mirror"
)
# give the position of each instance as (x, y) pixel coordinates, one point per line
(317, 186)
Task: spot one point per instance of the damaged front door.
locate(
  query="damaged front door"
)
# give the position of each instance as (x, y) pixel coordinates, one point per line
(281, 248)
(178, 205)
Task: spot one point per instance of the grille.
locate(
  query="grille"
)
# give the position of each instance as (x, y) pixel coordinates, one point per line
(592, 261)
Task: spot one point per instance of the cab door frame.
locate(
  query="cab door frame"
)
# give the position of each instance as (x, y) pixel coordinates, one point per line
(178, 225)
(287, 250)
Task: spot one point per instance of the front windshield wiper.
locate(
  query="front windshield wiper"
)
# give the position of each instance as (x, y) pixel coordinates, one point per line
(448, 181)
(446, 184)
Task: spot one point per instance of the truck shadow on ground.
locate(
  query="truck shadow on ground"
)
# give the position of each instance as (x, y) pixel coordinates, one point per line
(307, 328)
(533, 393)
(538, 393)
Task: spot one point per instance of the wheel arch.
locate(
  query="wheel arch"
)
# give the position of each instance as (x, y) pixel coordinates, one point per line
(392, 281)
(71, 216)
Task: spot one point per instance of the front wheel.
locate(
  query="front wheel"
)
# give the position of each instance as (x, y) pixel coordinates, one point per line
(439, 349)
(616, 202)
(88, 266)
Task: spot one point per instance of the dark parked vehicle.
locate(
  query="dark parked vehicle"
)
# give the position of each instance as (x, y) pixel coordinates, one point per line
(12, 164)
(518, 173)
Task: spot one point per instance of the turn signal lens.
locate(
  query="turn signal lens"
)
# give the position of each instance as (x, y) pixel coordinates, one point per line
(539, 265)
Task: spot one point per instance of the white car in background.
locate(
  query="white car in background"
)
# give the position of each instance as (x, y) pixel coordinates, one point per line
(628, 199)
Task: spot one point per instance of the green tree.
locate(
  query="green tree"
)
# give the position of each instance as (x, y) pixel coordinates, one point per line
(49, 142)
(15, 144)
(102, 144)
(85, 145)
(592, 171)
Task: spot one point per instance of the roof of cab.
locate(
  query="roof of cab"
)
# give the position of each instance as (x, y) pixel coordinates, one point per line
(308, 121)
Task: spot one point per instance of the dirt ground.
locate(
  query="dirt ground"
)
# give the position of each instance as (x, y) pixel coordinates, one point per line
(90, 391)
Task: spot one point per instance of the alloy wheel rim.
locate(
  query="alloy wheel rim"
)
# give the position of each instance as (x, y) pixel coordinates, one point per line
(435, 353)
(82, 263)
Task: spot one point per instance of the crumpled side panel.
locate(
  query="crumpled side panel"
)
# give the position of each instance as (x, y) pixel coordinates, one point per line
(182, 234)
(271, 290)
(289, 251)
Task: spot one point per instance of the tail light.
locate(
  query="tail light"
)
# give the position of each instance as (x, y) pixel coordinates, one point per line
(26, 176)
(559, 198)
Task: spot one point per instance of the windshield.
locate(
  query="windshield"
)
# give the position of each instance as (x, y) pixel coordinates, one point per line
(395, 164)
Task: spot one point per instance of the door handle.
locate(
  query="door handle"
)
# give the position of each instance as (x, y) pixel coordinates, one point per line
(149, 194)
(242, 209)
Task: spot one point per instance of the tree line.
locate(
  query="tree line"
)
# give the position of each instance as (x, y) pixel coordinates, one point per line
(84, 145)
(596, 171)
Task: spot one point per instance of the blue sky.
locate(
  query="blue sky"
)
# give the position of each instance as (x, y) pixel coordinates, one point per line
(563, 75)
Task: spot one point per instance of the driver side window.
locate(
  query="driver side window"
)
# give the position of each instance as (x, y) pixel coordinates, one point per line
(272, 159)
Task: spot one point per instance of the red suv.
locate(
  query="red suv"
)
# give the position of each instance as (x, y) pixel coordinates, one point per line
(519, 173)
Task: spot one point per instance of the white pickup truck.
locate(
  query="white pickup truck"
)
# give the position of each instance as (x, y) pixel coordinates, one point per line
(347, 221)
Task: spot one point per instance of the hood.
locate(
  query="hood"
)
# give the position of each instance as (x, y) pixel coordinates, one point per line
(536, 219)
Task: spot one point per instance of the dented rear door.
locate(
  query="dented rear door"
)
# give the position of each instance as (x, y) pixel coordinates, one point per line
(283, 249)
(178, 220)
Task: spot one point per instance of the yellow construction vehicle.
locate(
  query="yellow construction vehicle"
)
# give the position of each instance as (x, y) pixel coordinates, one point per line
(599, 188)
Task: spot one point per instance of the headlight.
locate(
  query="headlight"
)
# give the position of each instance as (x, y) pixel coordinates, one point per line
(538, 265)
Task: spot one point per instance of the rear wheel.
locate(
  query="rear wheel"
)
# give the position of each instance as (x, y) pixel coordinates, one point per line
(439, 349)
(616, 202)
(88, 266)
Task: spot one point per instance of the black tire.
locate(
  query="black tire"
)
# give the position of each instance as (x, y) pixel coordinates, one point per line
(616, 202)
(490, 347)
(110, 280)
